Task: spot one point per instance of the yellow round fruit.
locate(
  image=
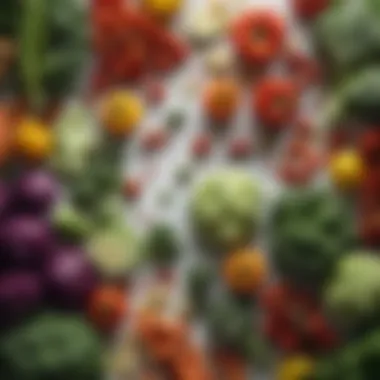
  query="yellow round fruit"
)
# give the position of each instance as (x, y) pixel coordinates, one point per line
(162, 8)
(346, 169)
(121, 112)
(296, 368)
(33, 140)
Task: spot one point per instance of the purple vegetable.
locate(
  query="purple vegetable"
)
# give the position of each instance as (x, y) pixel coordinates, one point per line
(36, 192)
(69, 278)
(4, 199)
(20, 294)
(25, 241)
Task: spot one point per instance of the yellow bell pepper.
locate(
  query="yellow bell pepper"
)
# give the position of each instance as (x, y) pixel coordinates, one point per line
(162, 8)
(34, 140)
(295, 368)
(346, 169)
(121, 113)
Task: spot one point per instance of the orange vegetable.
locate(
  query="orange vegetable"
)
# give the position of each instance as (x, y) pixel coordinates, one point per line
(221, 99)
(107, 307)
(245, 270)
(230, 366)
(163, 339)
(33, 140)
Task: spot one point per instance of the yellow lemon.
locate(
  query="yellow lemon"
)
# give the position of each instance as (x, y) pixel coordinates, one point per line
(162, 8)
(296, 368)
(34, 140)
(122, 111)
(346, 169)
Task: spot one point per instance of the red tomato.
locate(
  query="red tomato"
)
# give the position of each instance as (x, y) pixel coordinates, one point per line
(258, 36)
(275, 101)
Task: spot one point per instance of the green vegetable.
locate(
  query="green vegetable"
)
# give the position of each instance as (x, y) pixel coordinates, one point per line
(53, 44)
(359, 360)
(161, 244)
(311, 230)
(353, 294)
(51, 346)
(114, 250)
(70, 224)
(225, 209)
(9, 15)
(200, 280)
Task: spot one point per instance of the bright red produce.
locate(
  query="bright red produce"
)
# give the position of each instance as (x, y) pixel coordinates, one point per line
(275, 101)
(294, 320)
(258, 37)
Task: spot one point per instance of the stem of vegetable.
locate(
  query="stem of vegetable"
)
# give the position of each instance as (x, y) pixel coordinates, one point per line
(33, 37)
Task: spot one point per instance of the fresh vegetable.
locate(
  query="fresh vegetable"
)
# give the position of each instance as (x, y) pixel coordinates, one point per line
(295, 368)
(244, 271)
(161, 244)
(114, 251)
(121, 113)
(25, 242)
(275, 101)
(76, 136)
(220, 99)
(352, 293)
(36, 191)
(34, 140)
(6, 134)
(107, 307)
(347, 35)
(71, 225)
(69, 278)
(358, 360)
(200, 280)
(162, 8)
(310, 9)
(294, 320)
(51, 346)
(346, 170)
(313, 221)
(258, 36)
(52, 49)
(229, 324)
(225, 209)
(21, 293)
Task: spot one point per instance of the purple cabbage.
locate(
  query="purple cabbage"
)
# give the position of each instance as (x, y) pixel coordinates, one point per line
(25, 241)
(20, 294)
(36, 192)
(69, 278)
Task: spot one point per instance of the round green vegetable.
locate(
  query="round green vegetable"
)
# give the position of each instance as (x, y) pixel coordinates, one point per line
(51, 346)
(114, 250)
(353, 294)
(311, 230)
(161, 244)
(225, 209)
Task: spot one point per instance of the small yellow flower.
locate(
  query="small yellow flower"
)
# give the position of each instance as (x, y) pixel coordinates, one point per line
(122, 111)
(162, 8)
(296, 368)
(346, 169)
(34, 140)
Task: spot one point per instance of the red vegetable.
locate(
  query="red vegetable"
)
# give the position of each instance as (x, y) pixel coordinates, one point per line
(154, 140)
(304, 69)
(201, 146)
(107, 307)
(294, 320)
(240, 148)
(132, 188)
(275, 101)
(258, 37)
(309, 9)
